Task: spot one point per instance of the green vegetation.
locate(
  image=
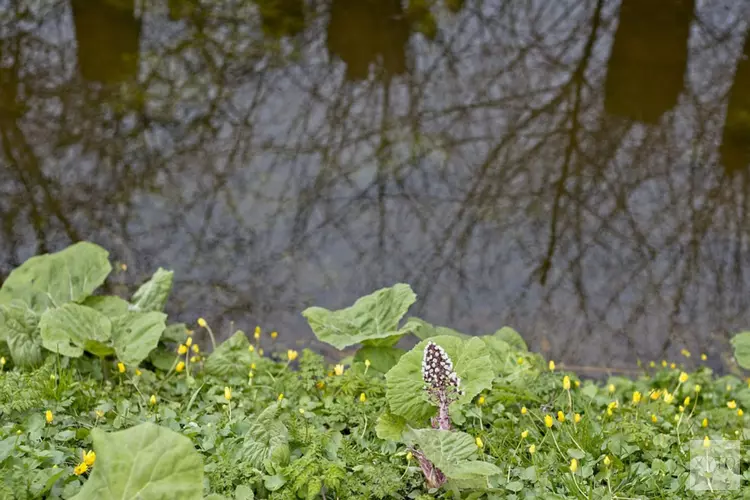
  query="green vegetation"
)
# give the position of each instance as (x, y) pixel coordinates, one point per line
(99, 399)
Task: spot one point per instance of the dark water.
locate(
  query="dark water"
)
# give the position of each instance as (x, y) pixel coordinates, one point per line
(579, 170)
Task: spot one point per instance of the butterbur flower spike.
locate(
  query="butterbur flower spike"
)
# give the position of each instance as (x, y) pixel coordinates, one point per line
(442, 384)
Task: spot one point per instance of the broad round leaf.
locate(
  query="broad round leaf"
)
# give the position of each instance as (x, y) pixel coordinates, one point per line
(136, 334)
(66, 330)
(405, 393)
(741, 346)
(153, 294)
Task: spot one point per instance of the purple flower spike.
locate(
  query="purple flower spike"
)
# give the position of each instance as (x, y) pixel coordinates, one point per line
(441, 383)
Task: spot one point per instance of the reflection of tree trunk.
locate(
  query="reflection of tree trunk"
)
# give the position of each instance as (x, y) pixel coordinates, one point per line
(361, 30)
(107, 33)
(735, 141)
(646, 68)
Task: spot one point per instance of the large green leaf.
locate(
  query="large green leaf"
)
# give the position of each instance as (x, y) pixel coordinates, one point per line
(741, 346)
(176, 332)
(136, 334)
(230, 357)
(19, 328)
(267, 439)
(425, 330)
(374, 316)
(67, 329)
(69, 275)
(381, 359)
(109, 305)
(452, 453)
(146, 462)
(153, 294)
(390, 427)
(511, 337)
(404, 381)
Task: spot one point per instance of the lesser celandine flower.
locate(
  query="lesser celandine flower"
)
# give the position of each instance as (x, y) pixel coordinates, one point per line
(138, 372)
(524, 411)
(48, 416)
(652, 364)
(548, 421)
(182, 349)
(409, 456)
(189, 341)
(274, 335)
(250, 348)
(654, 418)
(607, 461)
(686, 401)
(706, 442)
(573, 465)
(228, 393)
(681, 408)
(196, 349)
(560, 416)
(636, 397)
(256, 335)
(481, 400)
(663, 363)
(685, 353)
(99, 413)
(291, 354)
(704, 422)
(668, 397)
(121, 367)
(152, 400)
(301, 411)
(697, 388)
(611, 388)
(338, 369)
(2, 361)
(89, 457)
(195, 359)
(656, 394)
(729, 388)
(362, 398)
(532, 449)
(367, 363)
(320, 384)
(524, 434)
(479, 442)
(80, 469)
(683, 377)
(673, 366)
(519, 361)
(252, 366)
(703, 357)
(180, 366)
(566, 383)
(551, 365)
(740, 412)
(577, 418)
(732, 404)
(202, 323)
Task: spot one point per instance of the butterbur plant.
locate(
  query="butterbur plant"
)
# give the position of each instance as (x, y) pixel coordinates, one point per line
(442, 384)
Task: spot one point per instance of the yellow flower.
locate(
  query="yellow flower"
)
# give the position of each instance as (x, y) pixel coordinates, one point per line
(560, 416)
(668, 397)
(228, 393)
(655, 394)
(260, 351)
(189, 332)
(274, 335)
(250, 348)
(704, 357)
(320, 384)
(654, 418)
(573, 465)
(89, 457)
(121, 367)
(685, 353)
(252, 366)
(256, 335)
(99, 414)
(524, 434)
(182, 349)
(124, 267)
(607, 461)
(524, 411)
(138, 373)
(202, 323)
(681, 408)
(480, 401)
(291, 354)
(683, 377)
(152, 400)
(548, 421)
(704, 423)
(362, 398)
(196, 349)
(532, 449)
(519, 361)
(367, 363)
(566, 383)
(479, 442)
(301, 411)
(409, 456)
(281, 396)
(577, 418)
(189, 341)
(577, 383)
(551, 365)
(732, 404)
(740, 412)
(81, 468)
(48, 416)
(611, 388)
(652, 364)
(697, 388)
(663, 363)
(338, 369)
(195, 359)
(636, 397)
(180, 366)
(686, 401)
(673, 366)
(2, 361)
(729, 388)
(706, 442)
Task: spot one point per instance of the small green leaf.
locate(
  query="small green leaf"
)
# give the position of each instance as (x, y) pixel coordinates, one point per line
(374, 316)
(136, 334)
(153, 294)
(511, 337)
(404, 381)
(145, 461)
(176, 332)
(741, 346)
(390, 427)
(266, 439)
(65, 330)
(231, 357)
